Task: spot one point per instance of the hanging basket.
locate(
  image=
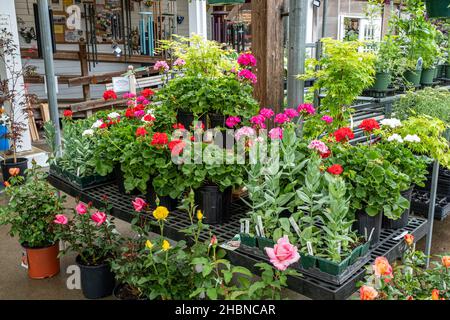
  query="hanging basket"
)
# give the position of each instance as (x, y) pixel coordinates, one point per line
(438, 8)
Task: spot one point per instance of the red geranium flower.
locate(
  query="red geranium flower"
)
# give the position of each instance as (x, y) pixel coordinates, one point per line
(176, 146)
(148, 118)
(368, 125)
(147, 93)
(141, 132)
(178, 126)
(325, 154)
(68, 113)
(159, 139)
(139, 107)
(335, 169)
(103, 126)
(109, 95)
(343, 134)
(129, 113)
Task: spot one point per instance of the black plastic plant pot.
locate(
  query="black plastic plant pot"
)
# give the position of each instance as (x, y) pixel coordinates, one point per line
(187, 119)
(382, 81)
(307, 261)
(365, 223)
(264, 243)
(22, 164)
(248, 240)
(120, 181)
(447, 71)
(404, 218)
(165, 201)
(96, 281)
(331, 267)
(427, 76)
(81, 183)
(214, 203)
(413, 76)
(437, 8)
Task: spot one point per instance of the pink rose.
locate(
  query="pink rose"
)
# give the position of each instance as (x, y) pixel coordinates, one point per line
(291, 113)
(60, 219)
(139, 204)
(266, 113)
(81, 208)
(99, 218)
(276, 133)
(281, 118)
(283, 254)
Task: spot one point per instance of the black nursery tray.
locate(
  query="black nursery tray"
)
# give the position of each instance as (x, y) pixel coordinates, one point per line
(420, 203)
(82, 183)
(307, 285)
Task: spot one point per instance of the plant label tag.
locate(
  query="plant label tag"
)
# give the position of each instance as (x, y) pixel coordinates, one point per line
(401, 236)
(24, 259)
(260, 226)
(365, 233)
(371, 234)
(339, 248)
(114, 230)
(419, 63)
(310, 248)
(242, 226)
(257, 231)
(294, 225)
(247, 226)
(78, 171)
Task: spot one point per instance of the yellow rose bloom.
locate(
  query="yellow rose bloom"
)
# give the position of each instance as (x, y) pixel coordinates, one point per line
(161, 213)
(199, 215)
(165, 245)
(148, 244)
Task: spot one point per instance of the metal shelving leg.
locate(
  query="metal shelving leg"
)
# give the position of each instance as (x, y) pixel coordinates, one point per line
(431, 208)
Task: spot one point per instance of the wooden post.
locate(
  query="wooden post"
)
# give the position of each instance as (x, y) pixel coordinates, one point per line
(267, 46)
(84, 69)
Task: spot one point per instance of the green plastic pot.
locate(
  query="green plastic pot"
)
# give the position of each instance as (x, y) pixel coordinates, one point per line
(413, 76)
(365, 249)
(427, 76)
(439, 71)
(447, 71)
(248, 240)
(382, 81)
(264, 243)
(331, 267)
(307, 261)
(438, 8)
(356, 253)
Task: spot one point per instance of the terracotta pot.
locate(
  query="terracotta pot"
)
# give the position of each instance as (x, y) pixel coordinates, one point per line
(43, 262)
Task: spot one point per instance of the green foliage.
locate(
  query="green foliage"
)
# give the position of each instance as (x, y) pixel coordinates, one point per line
(390, 57)
(31, 209)
(343, 73)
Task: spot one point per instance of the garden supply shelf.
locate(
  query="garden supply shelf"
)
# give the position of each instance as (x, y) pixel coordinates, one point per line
(313, 288)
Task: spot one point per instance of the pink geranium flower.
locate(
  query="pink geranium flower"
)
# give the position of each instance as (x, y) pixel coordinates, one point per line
(276, 133)
(244, 132)
(327, 119)
(232, 121)
(247, 59)
(161, 66)
(281, 118)
(139, 204)
(60, 219)
(291, 113)
(319, 146)
(266, 113)
(283, 254)
(247, 75)
(306, 108)
(258, 120)
(99, 218)
(81, 208)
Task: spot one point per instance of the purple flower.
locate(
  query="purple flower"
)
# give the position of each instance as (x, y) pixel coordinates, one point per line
(266, 113)
(281, 118)
(247, 59)
(291, 113)
(306, 108)
(276, 133)
(232, 121)
(327, 119)
(247, 74)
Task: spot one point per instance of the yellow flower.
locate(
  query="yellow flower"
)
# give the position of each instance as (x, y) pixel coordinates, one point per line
(148, 244)
(165, 245)
(199, 215)
(160, 213)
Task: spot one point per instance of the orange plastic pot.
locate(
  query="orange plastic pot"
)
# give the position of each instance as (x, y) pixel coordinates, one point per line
(43, 262)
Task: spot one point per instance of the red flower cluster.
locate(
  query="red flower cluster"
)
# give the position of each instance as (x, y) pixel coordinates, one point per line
(177, 146)
(159, 139)
(68, 113)
(109, 95)
(325, 154)
(147, 93)
(178, 126)
(141, 132)
(335, 169)
(343, 134)
(148, 118)
(368, 125)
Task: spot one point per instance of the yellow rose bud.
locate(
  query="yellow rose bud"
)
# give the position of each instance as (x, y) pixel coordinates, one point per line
(161, 213)
(199, 215)
(148, 244)
(165, 245)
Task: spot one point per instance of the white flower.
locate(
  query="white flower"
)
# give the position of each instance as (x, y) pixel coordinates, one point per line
(412, 138)
(395, 137)
(88, 132)
(113, 115)
(393, 123)
(151, 111)
(97, 124)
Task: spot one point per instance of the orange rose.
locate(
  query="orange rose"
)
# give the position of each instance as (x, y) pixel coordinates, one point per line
(446, 261)
(381, 267)
(367, 293)
(6, 184)
(410, 298)
(409, 239)
(435, 294)
(14, 171)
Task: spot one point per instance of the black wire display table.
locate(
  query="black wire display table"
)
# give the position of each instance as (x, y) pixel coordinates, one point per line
(309, 286)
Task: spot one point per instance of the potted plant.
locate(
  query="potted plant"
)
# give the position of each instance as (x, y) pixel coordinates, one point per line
(438, 9)
(94, 239)
(30, 212)
(17, 101)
